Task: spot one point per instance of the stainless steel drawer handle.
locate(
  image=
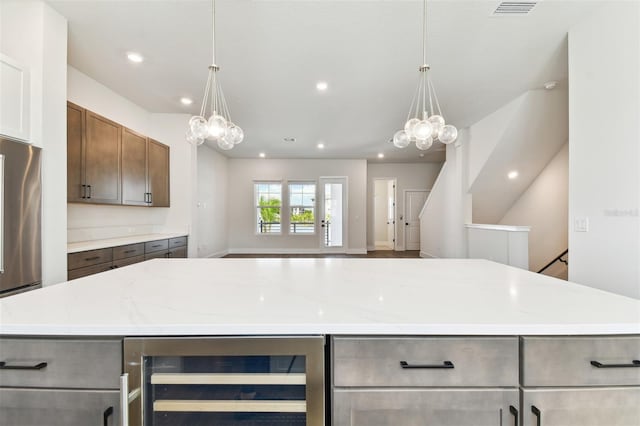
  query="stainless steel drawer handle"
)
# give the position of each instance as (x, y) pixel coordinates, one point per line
(634, 363)
(536, 412)
(105, 416)
(445, 364)
(514, 411)
(39, 366)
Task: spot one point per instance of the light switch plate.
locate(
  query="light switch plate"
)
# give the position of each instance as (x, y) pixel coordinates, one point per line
(581, 224)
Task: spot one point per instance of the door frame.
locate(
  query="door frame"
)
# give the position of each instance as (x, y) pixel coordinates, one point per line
(395, 209)
(345, 214)
(404, 212)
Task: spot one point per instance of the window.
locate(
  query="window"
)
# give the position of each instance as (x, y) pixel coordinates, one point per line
(302, 203)
(268, 203)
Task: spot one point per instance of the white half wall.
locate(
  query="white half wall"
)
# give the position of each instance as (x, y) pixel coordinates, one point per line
(35, 35)
(241, 209)
(604, 159)
(544, 206)
(408, 176)
(213, 190)
(90, 222)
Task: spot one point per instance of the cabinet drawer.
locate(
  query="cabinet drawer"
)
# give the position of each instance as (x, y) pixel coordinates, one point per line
(567, 361)
(131, 250)
(177, 242)
(178, 253)
(89, 270)
(378, 361)
(617, 406)
(156, 255)
(152, 246)
(409, 407)
(88, 258)
(57, 407)
(69, 363)
(128, 261)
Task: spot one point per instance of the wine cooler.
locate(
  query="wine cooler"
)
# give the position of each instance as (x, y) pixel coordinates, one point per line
(224, 381)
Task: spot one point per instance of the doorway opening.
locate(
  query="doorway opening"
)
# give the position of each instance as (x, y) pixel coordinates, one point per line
(384, 213)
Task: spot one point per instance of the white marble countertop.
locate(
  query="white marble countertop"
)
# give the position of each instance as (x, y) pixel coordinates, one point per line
(114, 242)
(318, 296)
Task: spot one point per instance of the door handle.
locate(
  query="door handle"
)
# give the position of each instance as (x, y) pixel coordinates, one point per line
(536, 412)
(634, 363)
(406, 224)
(89, 187)
(514, 411)
(105, 416)
(151, 198)
(83, 191)
(444, 365)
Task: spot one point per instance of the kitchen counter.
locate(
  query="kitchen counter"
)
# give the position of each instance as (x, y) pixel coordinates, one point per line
(318, 296)
(120, 241)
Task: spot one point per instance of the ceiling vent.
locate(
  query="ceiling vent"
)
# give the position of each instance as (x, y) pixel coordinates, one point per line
(510, 8)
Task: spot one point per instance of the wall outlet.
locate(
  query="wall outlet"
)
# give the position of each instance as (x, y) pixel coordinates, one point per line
(581, 224)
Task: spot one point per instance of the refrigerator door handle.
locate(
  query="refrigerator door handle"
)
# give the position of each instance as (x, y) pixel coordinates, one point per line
(1, 214)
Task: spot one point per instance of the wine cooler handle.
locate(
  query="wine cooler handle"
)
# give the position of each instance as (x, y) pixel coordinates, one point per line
(124, 399)
(105, 416)
(445, 364)
(514, 411)
(538, 415)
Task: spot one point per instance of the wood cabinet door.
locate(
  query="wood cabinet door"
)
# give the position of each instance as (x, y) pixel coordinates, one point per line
(75, 161)
(102, 160)
(134, 168)
(158, 166)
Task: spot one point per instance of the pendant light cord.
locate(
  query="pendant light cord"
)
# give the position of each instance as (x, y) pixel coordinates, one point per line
(424, 34)
(213, 32)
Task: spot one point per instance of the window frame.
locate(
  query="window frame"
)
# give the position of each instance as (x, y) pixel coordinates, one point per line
(290, 206)
(257, 217)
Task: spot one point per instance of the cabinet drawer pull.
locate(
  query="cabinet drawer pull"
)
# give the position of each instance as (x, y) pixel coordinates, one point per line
(536, 412)
(156, 245)
(105, 416)
(39, 366)
(634, 363)
(514, 411)
(129, 251)
(445, 364)
(88, 259)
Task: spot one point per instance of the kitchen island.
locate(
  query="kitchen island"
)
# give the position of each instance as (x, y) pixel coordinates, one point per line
(407, 338)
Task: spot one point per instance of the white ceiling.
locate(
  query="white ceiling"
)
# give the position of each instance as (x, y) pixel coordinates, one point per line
(272, 53)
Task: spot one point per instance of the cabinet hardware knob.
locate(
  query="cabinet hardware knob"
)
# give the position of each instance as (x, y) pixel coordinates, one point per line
(514, 411)
(445, 364)
(39, 366)
(634, 363)
(536, 412)
(105, 416)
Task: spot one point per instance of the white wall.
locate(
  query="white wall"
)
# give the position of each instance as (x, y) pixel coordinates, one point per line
(604, 148)
(409, 176)
(442, 220)
(88, 222)
(213, 190)
(545, 207)
(241, 209)
(36, 36)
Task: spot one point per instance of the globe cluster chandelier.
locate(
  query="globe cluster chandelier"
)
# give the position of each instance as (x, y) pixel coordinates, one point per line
(218, 127)
(425, 123)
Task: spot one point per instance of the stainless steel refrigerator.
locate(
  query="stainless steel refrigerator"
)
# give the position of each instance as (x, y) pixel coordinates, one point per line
(20, 217)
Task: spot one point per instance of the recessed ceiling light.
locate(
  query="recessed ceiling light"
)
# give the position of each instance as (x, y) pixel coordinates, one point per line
(513, 174)
(322, 86)
(550, 85)
(289, 139)
(262, 155)
(380, 155)
(186, 101)
(320, 145)
(135, 57)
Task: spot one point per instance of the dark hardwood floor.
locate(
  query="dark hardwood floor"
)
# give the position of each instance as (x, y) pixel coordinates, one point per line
(370, 254)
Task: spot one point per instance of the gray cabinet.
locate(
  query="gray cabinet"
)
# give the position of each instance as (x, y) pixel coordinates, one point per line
(426, 381)
(60, 382)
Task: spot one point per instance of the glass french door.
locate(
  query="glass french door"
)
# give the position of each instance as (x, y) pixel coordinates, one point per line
(333, 213)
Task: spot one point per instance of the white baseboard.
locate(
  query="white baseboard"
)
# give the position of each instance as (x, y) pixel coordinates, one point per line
(427, 255)
(371, 248)
(356, 251)
(218, 254)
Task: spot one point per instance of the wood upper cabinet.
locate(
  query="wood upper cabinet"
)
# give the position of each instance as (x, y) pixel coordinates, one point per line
(158, 172)
(93, 157)
(110, 164)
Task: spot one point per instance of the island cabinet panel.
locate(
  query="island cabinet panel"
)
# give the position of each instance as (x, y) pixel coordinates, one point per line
(102, 160)
(60, 382)
(418, 407)
(134, 168)
(158, 166)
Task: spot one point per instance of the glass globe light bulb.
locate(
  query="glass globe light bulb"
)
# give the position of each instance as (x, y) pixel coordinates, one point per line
(217, 127)
(409, 127)
(225, 144)
(448, 134)
(401, 139)
(235, 134)
(437, 123)
(423, 130)
(192, 139)
(423, 145)
(199, 127)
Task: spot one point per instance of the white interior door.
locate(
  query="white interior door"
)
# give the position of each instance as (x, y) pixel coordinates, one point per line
(391, 214)
(333, 213)
(413, 203)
